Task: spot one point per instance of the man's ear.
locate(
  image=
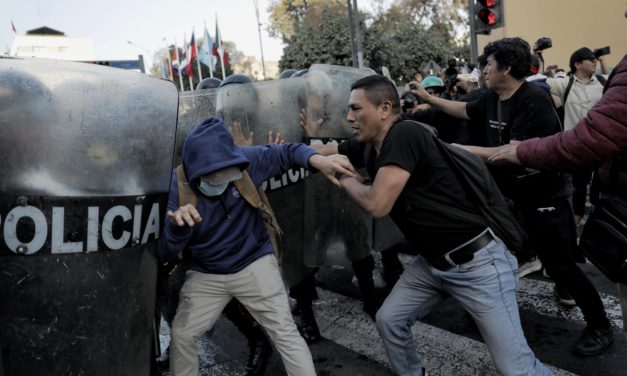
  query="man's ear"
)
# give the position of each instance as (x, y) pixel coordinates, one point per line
(386, 109)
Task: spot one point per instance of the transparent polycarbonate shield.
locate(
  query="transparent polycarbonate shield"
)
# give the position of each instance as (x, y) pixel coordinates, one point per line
(262, 107)
(86, 156)
(194, 107)
(329, 90)
(70, 128)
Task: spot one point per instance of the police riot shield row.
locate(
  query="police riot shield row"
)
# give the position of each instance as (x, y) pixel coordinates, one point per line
(87, 153)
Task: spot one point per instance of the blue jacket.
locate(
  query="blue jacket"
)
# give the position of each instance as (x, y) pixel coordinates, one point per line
(232, 233)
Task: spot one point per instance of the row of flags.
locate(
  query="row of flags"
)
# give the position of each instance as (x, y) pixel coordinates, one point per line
(208, 53)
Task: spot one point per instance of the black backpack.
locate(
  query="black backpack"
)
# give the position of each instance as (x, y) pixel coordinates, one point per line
(477, 182)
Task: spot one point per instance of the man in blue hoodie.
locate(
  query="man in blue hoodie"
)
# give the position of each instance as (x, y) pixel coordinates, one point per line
(229, 251)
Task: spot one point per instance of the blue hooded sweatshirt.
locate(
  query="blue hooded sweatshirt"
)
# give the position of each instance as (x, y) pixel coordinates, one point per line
(232, 233)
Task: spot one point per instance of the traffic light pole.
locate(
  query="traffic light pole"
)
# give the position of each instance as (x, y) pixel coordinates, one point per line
(473, 35)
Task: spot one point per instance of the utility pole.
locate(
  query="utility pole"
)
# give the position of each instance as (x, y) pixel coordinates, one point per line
(352, 31)
(360, 52)
(473, 35)
(263, 64)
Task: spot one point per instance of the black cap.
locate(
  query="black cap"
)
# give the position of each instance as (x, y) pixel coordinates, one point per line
(584, 53)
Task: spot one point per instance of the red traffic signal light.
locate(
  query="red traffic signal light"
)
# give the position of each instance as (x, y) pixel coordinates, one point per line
(488, 3)
(487, 16)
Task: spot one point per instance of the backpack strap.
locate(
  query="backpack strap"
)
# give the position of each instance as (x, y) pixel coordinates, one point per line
(257, 198)
(601, 79)
(186, 195)
(571, 80)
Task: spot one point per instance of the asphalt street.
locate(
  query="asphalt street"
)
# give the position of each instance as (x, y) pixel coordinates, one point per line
(448, 345)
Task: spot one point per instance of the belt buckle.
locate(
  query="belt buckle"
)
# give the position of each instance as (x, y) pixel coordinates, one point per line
(449, 260)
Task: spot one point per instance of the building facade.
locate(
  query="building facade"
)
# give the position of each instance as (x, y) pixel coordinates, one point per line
(570, 24)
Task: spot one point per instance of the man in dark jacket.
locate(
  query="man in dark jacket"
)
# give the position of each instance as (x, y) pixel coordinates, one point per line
(596, 141)
(228, 248)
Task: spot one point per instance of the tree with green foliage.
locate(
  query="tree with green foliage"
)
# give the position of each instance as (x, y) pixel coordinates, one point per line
(403, 37)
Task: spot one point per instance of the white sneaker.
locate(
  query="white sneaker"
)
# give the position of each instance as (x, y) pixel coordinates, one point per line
(531, 266)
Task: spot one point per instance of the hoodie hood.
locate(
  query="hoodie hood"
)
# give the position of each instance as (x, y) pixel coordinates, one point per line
(209, 147)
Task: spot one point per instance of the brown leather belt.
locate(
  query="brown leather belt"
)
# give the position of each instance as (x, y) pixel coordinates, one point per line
(463, 254)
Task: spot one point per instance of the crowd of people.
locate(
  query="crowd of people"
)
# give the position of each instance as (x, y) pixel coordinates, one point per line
(504, 113)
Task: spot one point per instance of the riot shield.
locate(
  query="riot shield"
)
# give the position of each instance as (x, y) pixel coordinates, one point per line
(321, 226)
(87, 156)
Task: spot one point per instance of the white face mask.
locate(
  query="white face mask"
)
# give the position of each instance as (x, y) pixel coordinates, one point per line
(211, 190)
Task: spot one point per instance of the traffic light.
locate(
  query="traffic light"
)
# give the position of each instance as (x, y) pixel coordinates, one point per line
(488, 15)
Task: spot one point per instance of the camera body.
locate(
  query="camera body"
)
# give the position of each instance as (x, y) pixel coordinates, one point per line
(602, 51)
(543, 43)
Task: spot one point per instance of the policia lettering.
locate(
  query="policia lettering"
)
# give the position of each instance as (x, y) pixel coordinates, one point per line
(75, 225)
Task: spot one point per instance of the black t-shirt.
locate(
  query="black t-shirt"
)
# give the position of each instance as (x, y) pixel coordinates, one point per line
(527, 114)
(433, 210)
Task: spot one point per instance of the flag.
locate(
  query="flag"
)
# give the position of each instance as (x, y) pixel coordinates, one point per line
(175, 61)
(13, 27)
(219, 48)
(191, 54)
(205, 54)
(183, 62)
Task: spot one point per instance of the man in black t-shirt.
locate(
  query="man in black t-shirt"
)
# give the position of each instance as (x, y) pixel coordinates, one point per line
(459, 255)
(512, 111)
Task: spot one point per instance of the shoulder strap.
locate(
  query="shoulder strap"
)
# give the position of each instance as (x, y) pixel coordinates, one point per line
(258, 199)
(601, 79)
(186, 195)
(571, 80)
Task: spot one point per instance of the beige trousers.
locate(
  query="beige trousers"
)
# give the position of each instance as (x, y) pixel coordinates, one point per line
(260, 289)
(622, 295)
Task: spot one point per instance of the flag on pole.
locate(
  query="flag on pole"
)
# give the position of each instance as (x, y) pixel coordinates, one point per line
(178, 65)
(205, 54)
(195, 54)
(170, 73)
(219, 48)
(191, 54)
(13, 27)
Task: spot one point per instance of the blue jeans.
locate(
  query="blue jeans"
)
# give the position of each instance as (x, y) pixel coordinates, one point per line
(485, 288)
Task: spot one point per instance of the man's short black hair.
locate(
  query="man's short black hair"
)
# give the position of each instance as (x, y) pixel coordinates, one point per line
(379, 89)
(514, 53)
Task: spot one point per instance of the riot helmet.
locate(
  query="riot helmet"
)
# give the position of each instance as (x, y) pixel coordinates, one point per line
(287, 73)
(236, 79)
(300, 73)
(209, 83)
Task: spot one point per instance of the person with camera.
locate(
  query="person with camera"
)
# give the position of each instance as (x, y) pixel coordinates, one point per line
(448, 127)
(514, 110)
(576, 96)
(598, 140)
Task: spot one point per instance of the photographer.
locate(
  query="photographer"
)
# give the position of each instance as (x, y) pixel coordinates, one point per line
(577, 96)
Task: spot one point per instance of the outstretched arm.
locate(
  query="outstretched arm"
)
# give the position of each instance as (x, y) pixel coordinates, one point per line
(453, 108)
(379, 198)
(332, 165)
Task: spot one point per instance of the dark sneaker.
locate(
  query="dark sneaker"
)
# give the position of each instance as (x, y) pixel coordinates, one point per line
(564, 297)
(594, 342)
(308, 328)
(260, 352)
